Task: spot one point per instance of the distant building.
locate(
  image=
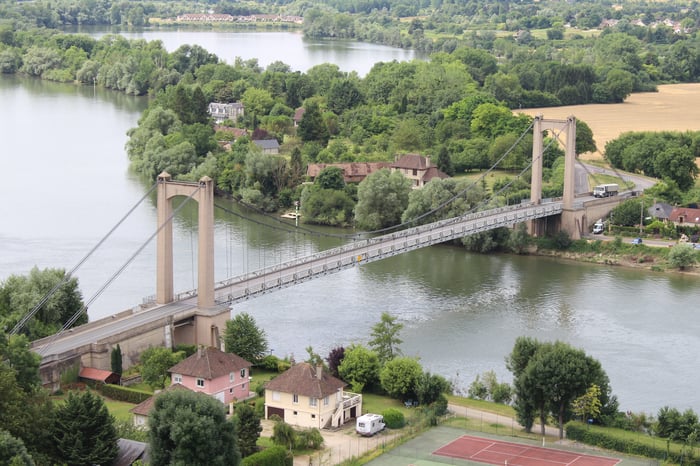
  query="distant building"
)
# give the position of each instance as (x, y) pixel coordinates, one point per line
(418, 169)
(298, 115)
(353, 172)
(222, 111)
(90, 374)
(268, 146)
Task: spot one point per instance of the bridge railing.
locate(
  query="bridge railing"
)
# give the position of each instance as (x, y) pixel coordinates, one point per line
(366, 250)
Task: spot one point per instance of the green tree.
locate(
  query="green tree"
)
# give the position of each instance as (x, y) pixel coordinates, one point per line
(155, 362)
(381, 199)
(248, 428)
(284, 435)
(84, 432)
(330, 178)
(20, 294)
(188, 428)
(385, 338)
(16, 353)
(116, 360)
(399, 376)
(244, 338)
(587, 406)
(360, 367)
(312, 127)
(429, 387)
(682, 256)
(12, 451)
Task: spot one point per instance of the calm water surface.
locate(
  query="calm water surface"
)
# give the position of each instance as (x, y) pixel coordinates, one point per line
(67, 182)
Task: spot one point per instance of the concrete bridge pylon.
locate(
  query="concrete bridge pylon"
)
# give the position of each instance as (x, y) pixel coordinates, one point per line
(210, 318)
(566, 128)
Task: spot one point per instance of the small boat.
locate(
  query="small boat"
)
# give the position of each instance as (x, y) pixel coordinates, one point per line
(291, 215)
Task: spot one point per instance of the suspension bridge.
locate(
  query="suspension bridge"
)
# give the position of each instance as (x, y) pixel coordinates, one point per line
(198, 316)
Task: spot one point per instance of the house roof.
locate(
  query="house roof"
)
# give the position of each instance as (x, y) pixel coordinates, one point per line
(210, 363)
(130, 451)
(412, 162)
(91, 373)
(661, 210)
(432, 173)
(267, 143)
(352, 172)
(303, 379)
(299, 114)
(685, 215)
(146, 405)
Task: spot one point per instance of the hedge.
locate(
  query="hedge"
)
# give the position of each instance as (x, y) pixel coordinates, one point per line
(119, 393)
(273, 456)
(625, 442)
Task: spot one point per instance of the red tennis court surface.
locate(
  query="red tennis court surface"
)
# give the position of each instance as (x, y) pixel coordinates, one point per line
(514, 454)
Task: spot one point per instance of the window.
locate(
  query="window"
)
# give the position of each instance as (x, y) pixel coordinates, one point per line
(313, 401)
(243, 373)
(415, 172)
(230, 390)
(243, 386)
(231, 377)
(295, 413)
(295, 398)
(326, 400)
(177, 378)
(313, 416)
(200, 382)
(275, 396)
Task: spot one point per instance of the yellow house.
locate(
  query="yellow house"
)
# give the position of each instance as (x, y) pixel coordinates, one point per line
(308, 396)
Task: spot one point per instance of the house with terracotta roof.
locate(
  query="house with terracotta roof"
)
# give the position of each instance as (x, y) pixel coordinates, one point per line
(308, 396)
(685, 216)
(353, 172)
(225, 376)
(418, 169)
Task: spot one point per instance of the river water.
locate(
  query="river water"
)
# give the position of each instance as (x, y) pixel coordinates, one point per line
(67, 183)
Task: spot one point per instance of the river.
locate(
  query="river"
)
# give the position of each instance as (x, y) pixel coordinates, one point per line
(67, 183)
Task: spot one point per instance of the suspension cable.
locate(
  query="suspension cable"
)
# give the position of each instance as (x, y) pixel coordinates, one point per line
(114, 276)
(22, 322)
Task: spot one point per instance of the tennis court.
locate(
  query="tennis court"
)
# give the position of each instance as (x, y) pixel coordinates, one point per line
(490, 451)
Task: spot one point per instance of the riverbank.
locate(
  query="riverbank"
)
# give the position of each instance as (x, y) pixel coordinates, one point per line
(643, 258)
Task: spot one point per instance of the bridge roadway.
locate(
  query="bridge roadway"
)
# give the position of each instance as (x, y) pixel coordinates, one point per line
(251, 285)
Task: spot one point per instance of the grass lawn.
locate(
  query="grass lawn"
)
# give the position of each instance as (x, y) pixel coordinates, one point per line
(481, 405)
(119, 409)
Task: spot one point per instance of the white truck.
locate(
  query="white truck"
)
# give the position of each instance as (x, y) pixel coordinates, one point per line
(606, 190)
(599, 227)
(369, 424)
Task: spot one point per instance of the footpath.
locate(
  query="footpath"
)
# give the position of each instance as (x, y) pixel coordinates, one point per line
(342, 444)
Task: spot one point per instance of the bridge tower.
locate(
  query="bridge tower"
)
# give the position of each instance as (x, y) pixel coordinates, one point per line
(569, 216)
(209, 319)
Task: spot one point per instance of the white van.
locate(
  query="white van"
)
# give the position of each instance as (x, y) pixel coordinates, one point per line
(599, 227)
(369, 424)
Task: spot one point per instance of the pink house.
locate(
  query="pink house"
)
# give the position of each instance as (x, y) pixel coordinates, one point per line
(225, 376)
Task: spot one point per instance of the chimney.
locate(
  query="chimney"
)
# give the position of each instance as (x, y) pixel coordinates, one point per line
(199, 352)
(319, 372)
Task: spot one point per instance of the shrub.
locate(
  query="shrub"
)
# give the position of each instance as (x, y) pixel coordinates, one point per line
(393, 418)
(119, 393)
(310, 438)
(273, 456)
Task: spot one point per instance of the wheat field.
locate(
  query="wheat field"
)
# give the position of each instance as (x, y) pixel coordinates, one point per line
(675, 107)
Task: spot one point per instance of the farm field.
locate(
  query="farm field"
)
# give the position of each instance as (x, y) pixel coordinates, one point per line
(673, 108)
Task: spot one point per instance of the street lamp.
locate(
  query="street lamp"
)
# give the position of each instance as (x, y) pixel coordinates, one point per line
(641, 215)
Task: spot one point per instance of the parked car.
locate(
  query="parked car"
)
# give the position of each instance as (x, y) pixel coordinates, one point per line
(637, 241)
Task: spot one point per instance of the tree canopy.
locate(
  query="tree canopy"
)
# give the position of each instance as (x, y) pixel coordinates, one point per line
(244, 338)
(188, 428)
